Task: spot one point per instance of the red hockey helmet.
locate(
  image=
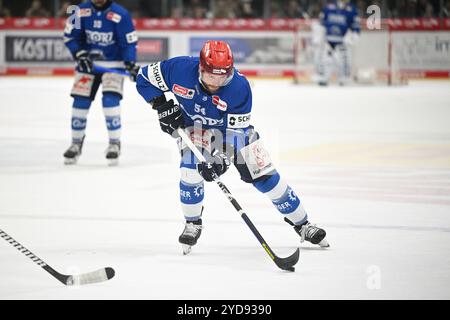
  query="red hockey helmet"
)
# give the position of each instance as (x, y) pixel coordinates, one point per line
(216, 58)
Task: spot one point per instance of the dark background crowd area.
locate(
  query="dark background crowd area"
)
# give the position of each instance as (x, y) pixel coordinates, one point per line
(210, 9)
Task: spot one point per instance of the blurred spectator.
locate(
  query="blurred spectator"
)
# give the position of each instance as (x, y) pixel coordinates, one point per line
(233, 8)
(246, 10)
(149, 8)
(62, 12)
(4, 12)
(37, 10)
(314, 10)
(196, 9)
(275, 10)
(362, 7)
(222, 10)
(446, 10)
(411, 9)
(429, 11)
(294, 10)
(421, 8)
(176, 13)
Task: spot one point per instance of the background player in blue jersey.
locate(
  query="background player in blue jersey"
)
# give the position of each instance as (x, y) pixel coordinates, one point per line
(341, 23)
(105, 35)
(213, 101)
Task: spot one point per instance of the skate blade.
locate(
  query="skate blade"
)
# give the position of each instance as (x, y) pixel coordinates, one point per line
(186, 249)
(324, 244)
(70, 161)
(113, 162)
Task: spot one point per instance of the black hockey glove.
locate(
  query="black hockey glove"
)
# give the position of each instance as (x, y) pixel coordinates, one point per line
(169, 114)
(83, 61)
(133, 69)
(218, 163)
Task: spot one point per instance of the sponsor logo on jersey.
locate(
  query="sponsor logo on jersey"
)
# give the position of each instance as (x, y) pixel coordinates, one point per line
(237, 121)
(202, 139)
(337, 18)
(114, 17)
(155, 76)
(86, 12)
(131, 37)
(100, 38)
(182, 91)
(221, 105)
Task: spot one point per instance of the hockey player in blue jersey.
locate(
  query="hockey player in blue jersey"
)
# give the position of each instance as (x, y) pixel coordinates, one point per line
(340, 22)
(105, 35)
(213, 101)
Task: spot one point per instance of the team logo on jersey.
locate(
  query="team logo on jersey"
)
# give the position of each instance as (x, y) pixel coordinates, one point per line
(114, 17)
(98, 24)
(221, 105)
(87, 12)
(198, 191)
(183, 92)
(292, 196)
(238, 121)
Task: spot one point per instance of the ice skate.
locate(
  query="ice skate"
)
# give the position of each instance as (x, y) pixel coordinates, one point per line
(73, 153)
(190, 235)
(311, 233)
(113, 153)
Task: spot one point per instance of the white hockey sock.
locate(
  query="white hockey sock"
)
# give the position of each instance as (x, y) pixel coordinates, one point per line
(79, 120)
(113, 122)
(287, 202)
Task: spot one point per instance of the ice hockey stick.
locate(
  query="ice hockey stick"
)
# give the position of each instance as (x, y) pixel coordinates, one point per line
(100, 275)
(282, 263)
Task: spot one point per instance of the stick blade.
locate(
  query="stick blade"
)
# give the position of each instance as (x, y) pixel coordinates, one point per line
(100, 275)
(288, 263)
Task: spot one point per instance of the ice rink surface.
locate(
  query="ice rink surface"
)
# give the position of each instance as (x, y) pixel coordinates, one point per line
(371, 165)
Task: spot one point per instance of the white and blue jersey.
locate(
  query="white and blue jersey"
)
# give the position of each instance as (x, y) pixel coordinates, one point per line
(338, 20)
(107, 34)
(228, 108)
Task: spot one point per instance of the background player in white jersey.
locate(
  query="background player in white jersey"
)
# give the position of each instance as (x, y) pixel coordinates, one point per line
(107, 36)
(213, 101)
(340, 22)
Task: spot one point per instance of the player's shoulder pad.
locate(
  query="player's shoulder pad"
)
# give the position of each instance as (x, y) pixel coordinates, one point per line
(179, 66)
(85, 9)
(181, 61)
(240, 80)
(117, 13)
(240, 87)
